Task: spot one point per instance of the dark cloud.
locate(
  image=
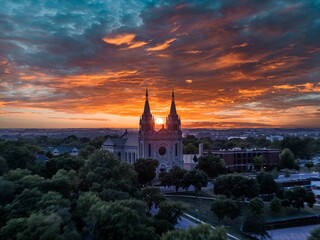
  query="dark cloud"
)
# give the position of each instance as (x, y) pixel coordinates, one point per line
(220, 56)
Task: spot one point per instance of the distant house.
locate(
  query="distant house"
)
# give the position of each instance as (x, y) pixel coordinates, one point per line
(56, 151)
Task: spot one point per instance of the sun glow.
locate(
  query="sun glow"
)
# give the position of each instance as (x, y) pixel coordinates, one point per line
(159, 121)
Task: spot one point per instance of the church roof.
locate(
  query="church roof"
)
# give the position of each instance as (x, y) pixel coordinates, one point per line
(127, 139)
(163, 130)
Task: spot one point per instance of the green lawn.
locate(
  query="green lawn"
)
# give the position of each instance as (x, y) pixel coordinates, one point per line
(200, 208)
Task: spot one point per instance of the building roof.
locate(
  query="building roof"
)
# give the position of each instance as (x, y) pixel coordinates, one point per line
(61, 150)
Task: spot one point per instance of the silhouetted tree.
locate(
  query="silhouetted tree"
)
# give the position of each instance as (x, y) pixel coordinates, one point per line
(146, 169)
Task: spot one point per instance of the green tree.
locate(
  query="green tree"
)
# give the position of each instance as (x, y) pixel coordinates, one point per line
(52, 201)
(24, 204)
(152, 196)
(258, 162)
(275, 205)
(18, 156)
(309, 165)
(124, 219)
(199, 232)
(237, 186)
(315, 234)
(66, 162)
(212, 165)
(287, 159)
(255, 225)
(197, 178)
(174, 177)
(170, 212)
(3, 166)
(190, 149)
(87, 151)
(104, 172)
(146, 169)
(224, 207)
(267, 183)
(7, 191)
(256, 206)
(297, 197)
(38, 225)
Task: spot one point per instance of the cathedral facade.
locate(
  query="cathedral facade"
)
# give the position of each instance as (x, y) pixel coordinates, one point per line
(164, 144)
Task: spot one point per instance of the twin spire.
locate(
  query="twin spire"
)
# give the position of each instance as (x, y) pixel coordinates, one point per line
(146, 111)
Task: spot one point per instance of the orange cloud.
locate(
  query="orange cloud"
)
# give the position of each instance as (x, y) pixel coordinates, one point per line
(240, 45)
(125, 38)
(136, 44)
(162, 46)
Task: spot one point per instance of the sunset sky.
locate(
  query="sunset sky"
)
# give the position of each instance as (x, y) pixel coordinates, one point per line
(248, 63)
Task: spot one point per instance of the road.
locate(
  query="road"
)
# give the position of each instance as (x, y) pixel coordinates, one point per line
(296, 233)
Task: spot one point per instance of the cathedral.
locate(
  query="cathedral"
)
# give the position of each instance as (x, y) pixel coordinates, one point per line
(164, 145)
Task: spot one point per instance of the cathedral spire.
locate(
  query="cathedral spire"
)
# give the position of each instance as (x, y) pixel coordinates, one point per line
(173, 110)
(146, 110)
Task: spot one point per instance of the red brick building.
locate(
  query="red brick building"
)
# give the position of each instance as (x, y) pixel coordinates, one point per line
(242, 160)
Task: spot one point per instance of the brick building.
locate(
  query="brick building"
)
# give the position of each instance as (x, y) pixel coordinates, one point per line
(243, 160)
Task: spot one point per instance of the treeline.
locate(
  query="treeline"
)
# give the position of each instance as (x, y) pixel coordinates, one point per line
(303, 148)
(71, 197)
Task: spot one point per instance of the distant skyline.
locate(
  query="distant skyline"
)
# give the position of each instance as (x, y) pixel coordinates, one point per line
(231, 63)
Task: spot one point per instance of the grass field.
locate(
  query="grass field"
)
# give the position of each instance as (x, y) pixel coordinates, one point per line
(201, 208)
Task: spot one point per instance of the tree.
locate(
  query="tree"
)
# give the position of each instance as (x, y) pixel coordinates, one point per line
(197, 178)
(287, 159)
(170, 213)
(38, 225)
(174, 177)
(7, 191)
(24, 204)
(267, 183)
(152, 196)
(237, 186)
(18, 156)
(103, 172)
(66, 162)
(3, 166)
(255, 225)
(275, 205)
(224, 207)
(258, 162)
(212, 165)
(124, 219)
(199, 232)
(146, 169)
(297, 197)
(256, 206)
(190, 149)
(309, 165)
(315, 234)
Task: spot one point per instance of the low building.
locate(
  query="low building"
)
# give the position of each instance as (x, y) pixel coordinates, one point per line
(125, 147)
(243, 160)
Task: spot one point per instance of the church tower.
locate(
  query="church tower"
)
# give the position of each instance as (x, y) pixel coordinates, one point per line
(165, 145)
(173, 122)
(146, 120)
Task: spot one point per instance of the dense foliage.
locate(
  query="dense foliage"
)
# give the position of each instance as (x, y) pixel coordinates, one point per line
(70, 197)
